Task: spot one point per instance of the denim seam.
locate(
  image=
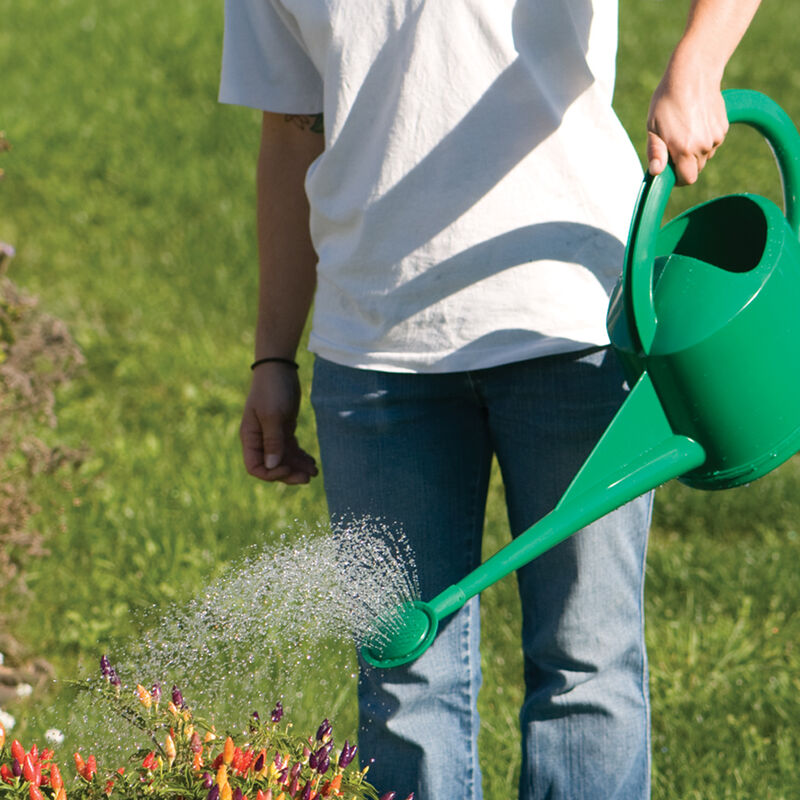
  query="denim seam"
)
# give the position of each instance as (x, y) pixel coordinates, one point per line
(467, 635)
(645, 671)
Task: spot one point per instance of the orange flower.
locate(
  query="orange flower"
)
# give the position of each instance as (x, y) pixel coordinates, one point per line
(228, 751)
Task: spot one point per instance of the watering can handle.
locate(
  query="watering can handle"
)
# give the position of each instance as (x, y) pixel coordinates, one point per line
(744, 106)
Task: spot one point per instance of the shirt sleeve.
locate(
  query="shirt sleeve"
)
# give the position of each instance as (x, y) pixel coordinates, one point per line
(264, 64)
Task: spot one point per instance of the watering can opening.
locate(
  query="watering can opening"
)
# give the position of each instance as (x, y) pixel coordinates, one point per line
(728, 232)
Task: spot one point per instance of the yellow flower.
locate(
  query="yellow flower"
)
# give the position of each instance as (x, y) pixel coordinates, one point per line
(169, 749)
(145, 698)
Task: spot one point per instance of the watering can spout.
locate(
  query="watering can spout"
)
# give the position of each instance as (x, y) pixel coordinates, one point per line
(638, 452)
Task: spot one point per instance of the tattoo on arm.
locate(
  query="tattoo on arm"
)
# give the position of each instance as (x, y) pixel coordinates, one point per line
(307, 122)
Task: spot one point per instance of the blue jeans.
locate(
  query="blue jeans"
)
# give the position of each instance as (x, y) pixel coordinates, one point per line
(415, 451)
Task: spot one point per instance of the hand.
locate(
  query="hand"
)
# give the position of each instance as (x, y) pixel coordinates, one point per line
(269, 446)
(687, 121)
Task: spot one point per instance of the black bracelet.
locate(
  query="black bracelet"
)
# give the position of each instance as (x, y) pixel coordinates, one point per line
(278, 360)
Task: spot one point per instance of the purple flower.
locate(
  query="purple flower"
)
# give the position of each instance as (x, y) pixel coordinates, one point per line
(238, 794)
(388, 796)
(348, 754)
(177, 698)
(277, 712)
(16, 768)
(155, 692)
(213, 793)
(296, 769)
(313, 760)
(105, 666)
(306, 795)
(259, 765)
(323, 765)
(113, 678)
(324, 730)
(208, 780)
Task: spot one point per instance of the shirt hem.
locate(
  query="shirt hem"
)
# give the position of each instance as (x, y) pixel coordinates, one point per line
(426, 363)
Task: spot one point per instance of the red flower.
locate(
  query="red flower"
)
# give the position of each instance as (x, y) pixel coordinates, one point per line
(35, 793)
(150, 761)
(17, 750)
(56, 781)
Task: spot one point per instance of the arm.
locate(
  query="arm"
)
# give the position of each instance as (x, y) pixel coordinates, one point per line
(287, 277)
(687, 119)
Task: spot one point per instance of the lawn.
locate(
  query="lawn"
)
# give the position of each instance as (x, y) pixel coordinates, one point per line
(128, 195)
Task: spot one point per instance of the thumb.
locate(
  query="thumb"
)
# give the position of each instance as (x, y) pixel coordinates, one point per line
(657, 153)
(273, 441)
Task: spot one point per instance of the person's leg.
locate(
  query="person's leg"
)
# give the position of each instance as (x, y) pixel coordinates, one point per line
(585, 719)
(413, 451)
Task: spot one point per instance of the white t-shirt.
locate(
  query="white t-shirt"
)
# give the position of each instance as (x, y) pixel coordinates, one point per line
(472, 202)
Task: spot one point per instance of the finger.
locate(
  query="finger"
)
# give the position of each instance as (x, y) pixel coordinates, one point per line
(687, 168)
(657, 153)
(297, 479)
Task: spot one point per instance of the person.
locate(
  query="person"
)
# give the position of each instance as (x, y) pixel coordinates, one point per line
(449, 185)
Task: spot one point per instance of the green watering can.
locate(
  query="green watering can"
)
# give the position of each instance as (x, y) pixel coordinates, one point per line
(705, 320)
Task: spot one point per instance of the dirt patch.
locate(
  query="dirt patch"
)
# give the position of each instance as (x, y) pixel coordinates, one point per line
(37, 356)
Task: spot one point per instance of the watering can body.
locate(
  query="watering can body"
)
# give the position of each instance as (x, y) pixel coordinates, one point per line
(706, 321)
(709, 308)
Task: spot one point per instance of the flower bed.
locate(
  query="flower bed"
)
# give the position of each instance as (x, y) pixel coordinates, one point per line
(189, 760)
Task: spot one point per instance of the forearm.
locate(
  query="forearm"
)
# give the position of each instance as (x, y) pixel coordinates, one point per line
(287, 261)
(713, 31)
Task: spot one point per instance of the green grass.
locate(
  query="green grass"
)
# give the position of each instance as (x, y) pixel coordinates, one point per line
(129, 198)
